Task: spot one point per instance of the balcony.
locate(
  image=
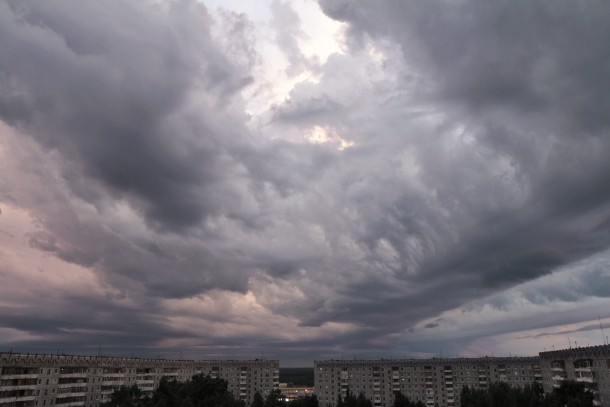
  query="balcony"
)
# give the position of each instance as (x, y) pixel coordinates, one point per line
(75, 384)
(71, 404)
(73, 394)
(19, 376)
(16, 399)
(73, 374)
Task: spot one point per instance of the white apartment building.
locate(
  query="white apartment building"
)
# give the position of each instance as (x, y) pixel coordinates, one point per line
(590, 365)
(33, 380)
(433, 381)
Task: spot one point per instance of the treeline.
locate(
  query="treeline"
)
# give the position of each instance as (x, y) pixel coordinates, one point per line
(274, 399)
(569, 394)
(204, 391)
(200, 391)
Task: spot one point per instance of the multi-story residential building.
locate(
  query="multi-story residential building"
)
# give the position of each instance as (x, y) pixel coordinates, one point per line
(590, 365)
(32, 380)
(433, 381)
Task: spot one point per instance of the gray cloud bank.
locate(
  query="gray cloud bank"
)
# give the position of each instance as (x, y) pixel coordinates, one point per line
(479, 161)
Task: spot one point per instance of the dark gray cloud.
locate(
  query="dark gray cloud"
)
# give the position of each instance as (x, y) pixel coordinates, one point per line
(115, 101)
(462, 150)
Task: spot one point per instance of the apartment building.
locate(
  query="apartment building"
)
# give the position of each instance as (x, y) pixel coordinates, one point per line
(590, 365)
(33, 380)
(433, 381)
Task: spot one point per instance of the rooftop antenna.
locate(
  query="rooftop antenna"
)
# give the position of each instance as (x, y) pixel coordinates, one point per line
(569, 342)
(601, 328)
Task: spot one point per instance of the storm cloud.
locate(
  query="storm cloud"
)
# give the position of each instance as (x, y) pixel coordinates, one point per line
(449, 159)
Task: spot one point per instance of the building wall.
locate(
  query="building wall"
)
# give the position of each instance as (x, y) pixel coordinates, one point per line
(590, 365)
(86, 381)
(433, 381)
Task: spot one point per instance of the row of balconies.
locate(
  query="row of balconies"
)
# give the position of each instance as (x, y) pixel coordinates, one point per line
(73, 394)
(16, 399)
(19, 376)
(24, 387)
(70, 401)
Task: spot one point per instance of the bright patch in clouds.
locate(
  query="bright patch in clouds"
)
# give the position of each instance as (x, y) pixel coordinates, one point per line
(323, 135)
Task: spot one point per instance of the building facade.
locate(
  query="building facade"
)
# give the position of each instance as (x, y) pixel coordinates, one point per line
(31, 380)
(433, 381)
(590, 365)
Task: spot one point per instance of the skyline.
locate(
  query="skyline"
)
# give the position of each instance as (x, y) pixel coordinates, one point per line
(371, 179)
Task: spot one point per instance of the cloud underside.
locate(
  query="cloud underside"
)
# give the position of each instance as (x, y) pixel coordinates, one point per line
(451, 153)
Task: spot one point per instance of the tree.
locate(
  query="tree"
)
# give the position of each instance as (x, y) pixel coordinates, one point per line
(199, 391)
(307, 401)
(400, 400)
(274, 399)
(362, 401)
(570, 394)
(125, 396)
(258, 400)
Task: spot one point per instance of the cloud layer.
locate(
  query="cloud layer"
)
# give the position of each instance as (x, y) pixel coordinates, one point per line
(448, 164)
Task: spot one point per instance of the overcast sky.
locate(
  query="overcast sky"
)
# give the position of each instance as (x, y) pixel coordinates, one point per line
(303, 180)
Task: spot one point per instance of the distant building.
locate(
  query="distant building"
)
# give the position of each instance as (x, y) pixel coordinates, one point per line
(31, 380)
(433, 381)
(589, 365)
(290, 393)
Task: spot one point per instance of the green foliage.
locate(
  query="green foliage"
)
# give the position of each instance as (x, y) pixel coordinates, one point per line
(258, 400)
(400, 400)
(126, 396)
(570, 394)
(274, 399)
(200, 391)
(307, 401)
(352, 401)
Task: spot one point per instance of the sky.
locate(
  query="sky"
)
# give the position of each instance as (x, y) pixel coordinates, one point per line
(304, 180)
